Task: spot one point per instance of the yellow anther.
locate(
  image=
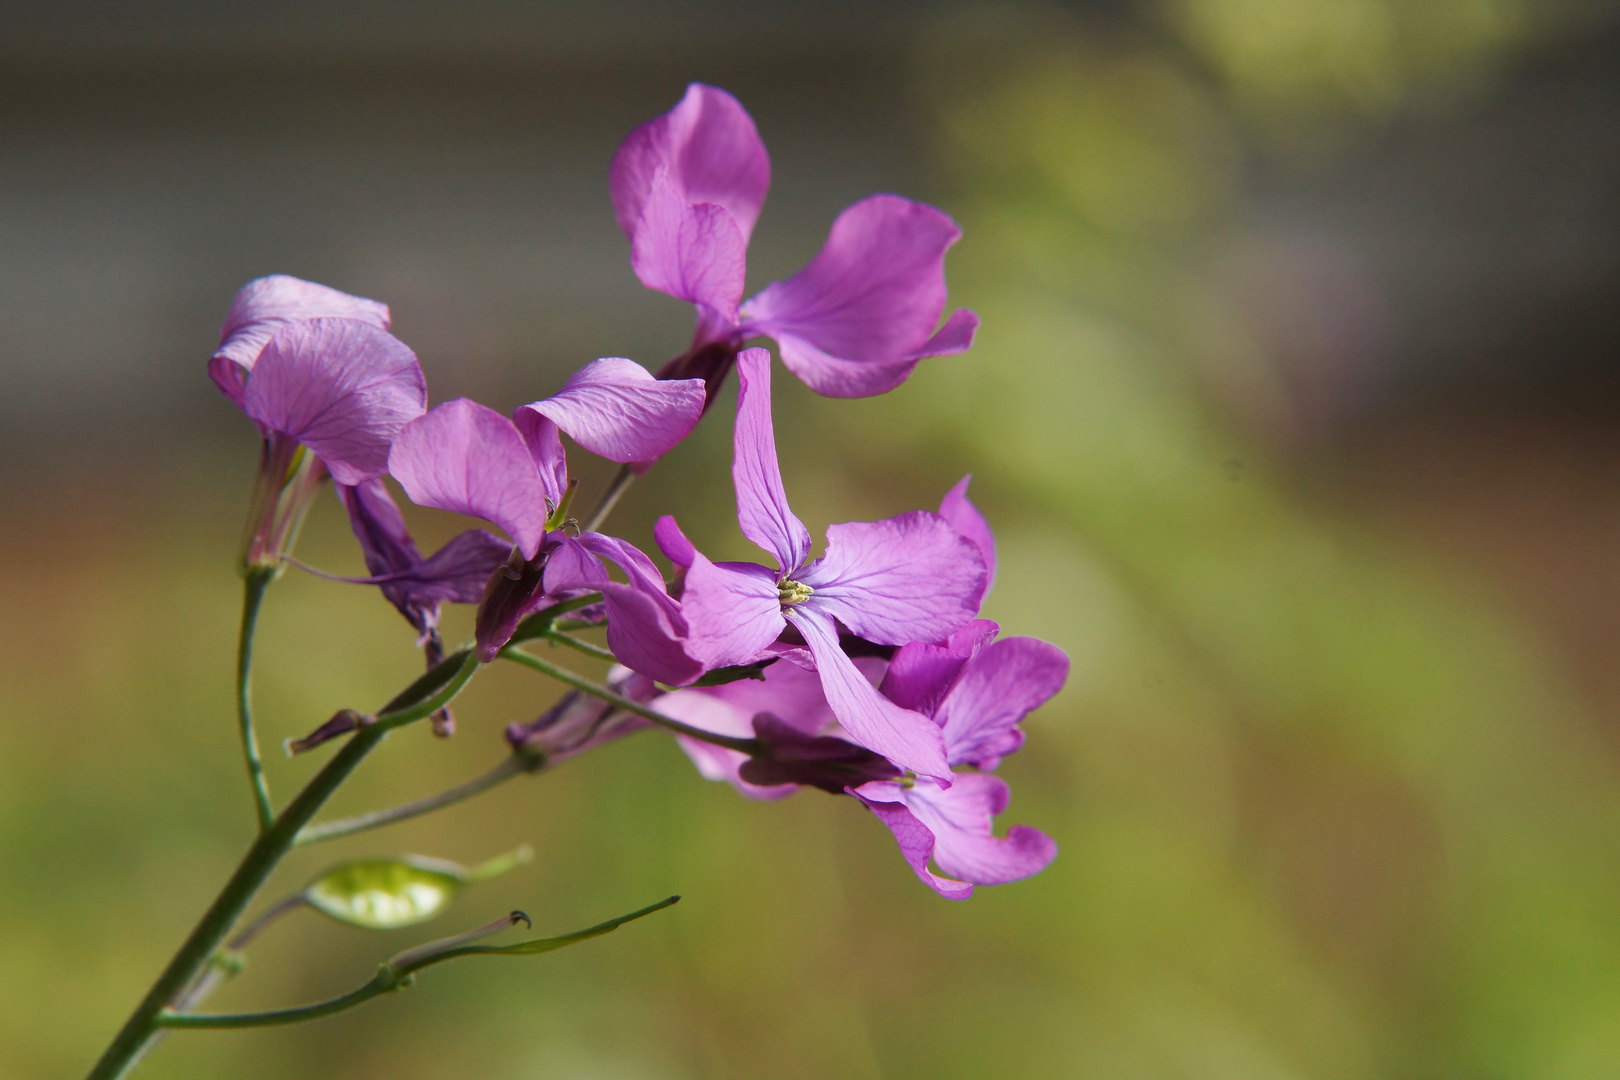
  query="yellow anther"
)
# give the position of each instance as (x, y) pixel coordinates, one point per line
(793, 592)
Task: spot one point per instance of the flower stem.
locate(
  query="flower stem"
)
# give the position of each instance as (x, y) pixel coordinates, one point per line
(596, 690)
(515, 765)
(140, 1031)
(257, 580)
(583, 646)
(609, 498)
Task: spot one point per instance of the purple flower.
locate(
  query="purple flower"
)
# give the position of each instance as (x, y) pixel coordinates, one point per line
(688, 187)
(907, 578)
(977, 693)
(313, 368)
(578, 722)
(266, 304)
(469, 459)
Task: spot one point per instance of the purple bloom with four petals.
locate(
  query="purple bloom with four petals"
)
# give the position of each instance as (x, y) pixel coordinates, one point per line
(907, 578)
(687, 188)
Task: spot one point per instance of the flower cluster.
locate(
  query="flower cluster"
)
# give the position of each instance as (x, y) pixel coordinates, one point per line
(866, 672)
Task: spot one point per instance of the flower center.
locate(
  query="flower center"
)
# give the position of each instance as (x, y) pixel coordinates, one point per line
(793, 592)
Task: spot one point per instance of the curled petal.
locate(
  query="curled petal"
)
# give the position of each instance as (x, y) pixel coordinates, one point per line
(906, 738)
(732, 611)
(886, 799)
(997, 689)
(615, 408)
(873, 295)
(673, 543)
(762, 506)
(263, 306)
(965, 844)
(341, 387)
(544, 441)
(966, 519)
(469, 459)
(709, 146)
(920, 675)
(647, 636)
(906, 578)
(571, 565)
(692, 251)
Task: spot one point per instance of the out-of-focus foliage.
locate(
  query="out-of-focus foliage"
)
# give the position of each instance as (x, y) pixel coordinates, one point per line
(1322, 812)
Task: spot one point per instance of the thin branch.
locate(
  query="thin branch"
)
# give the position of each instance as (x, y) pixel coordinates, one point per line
(515, 765)
(596, 690)
(253, 596)
(609, 498)
(583, 646)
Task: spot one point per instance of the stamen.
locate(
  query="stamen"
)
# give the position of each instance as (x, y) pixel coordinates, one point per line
(793, 592)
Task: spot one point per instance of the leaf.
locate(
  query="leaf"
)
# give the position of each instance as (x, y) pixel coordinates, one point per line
(722, 675)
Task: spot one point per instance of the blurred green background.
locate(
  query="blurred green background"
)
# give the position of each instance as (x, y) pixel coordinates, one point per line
(1294, 410)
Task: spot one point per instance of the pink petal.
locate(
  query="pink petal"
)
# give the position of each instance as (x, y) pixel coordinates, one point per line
(544, 441)
(732, 611)
(673, 543)
(615, 408)
(886, 799)
(873, 295)
(646, 636)
(712, 151)
(469, 459)
(263, 306)
(710, 713)
(573, 566)
(997, 689)
(906, 578)
(692, 251)
(908, 739)
(762, 506)
(832, 377)
(965, 845)
(965, 518)
(341, 387)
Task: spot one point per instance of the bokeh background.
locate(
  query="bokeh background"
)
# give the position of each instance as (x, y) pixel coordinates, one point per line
(1294, 408)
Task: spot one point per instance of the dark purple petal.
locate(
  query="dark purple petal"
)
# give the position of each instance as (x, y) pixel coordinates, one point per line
(762, 506)
(997, 689)
(458, 572)
(699, 709)
(711, 150)
(789, 756)
(512, 594)
(732, 611)
(544, 441)
(673, 543)
(615, 408)
(872, 295)
(906, 578)
(906, 738)
(469, 459)
(341, 387)
(965, 518)
(263, 306)
(965, 844)
(692, 251)
(886, 800)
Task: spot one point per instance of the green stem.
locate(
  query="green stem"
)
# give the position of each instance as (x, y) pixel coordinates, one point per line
(258, 579)
(541, 622)
(397, 973)
(609, 498)
(140, 1030)
(596, 690)
(515, 765)
(583, 646)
